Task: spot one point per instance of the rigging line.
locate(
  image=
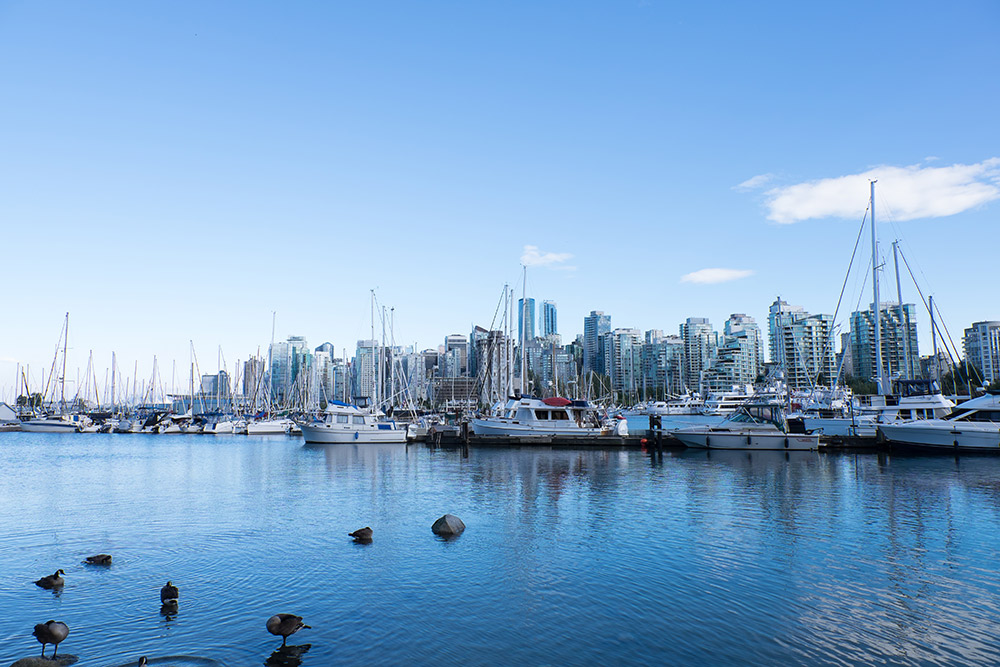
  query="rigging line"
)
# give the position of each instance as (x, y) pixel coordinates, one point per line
(850, 265)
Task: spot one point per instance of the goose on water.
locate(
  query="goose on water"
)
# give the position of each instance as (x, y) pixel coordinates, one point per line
(362, 534)
(168, 592)
(52, 632)
(99, 559)
(283, 625)
(54, 580)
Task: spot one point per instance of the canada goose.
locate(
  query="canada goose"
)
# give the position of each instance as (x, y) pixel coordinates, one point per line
(362, 534)
(54, 580)
(99, 559)
(143, 662)
(284, 625)
(52, 632)
(168, 592)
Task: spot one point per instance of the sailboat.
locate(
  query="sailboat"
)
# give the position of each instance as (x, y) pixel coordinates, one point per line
(906, 398)
(342, 422)
(61, 422)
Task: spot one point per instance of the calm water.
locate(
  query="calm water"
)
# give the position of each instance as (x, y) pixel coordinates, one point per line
(570, 557)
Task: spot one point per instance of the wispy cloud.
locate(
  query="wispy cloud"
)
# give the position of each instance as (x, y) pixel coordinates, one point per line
(909, 192)
(532, 256)
(754, 183)
(712, 276)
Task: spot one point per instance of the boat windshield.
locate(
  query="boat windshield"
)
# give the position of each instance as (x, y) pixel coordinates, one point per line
(759, 414)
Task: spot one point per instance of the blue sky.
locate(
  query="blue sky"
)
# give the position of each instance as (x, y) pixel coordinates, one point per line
(177, 171)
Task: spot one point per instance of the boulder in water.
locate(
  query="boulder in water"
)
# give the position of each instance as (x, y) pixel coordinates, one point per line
(448, 526)
(61, 661)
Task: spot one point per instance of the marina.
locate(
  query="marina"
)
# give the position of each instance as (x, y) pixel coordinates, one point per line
(614, 556)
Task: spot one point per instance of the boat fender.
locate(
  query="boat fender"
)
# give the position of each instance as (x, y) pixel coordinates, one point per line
(708, 441)
(749, 440)
(786, 443)
(357, 434)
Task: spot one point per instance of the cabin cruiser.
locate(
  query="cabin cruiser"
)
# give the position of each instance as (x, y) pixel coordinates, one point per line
(347, 423)
(910, 400)
(721, 403)
(689, 404)
(528, 416)
(974, 426)
(754, 425)
(58, 424)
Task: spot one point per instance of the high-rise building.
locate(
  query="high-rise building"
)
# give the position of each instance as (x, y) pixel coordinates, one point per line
(525, 319)
(801, 345)
(623, 359)
(458, 344)
(899, 339)
(740, 358)
(700, 343)
(982, 349)
(365, 369)
(594, 325)
(549, 325)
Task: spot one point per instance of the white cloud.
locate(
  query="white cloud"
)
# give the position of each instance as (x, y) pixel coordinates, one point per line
(712, 276)
(909, 192)
(532, 256)
(757, 181)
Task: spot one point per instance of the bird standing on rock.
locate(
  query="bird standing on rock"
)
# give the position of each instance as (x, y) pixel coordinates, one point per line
(54, 580)
(168, 592)
(52, 632)
(283, 625)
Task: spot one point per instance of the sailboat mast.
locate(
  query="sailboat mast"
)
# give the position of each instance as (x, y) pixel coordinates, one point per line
(937, 360)
(62, 379)
(524, 323)
(375, 364)
(876, 307)
(904, 318)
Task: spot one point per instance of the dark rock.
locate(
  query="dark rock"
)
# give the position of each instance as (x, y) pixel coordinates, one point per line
(35, 661)
(448, 526)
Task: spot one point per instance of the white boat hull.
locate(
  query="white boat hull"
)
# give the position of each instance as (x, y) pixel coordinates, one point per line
(938, 435)
(49, 426)
(505, 427)
(267, 428)
(330, 434)
(721, 439)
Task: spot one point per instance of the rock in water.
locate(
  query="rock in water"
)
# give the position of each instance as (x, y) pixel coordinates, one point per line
(61, 661)
(448, 526)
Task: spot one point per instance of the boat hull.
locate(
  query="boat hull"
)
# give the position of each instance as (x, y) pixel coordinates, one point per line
(323, 434)
(718, 439)
(49, 426)
(943, 438)
(488, 427)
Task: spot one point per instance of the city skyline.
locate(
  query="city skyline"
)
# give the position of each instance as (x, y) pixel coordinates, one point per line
(174, 174)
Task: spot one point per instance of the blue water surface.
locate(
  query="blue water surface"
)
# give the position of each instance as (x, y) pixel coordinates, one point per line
(571, 556)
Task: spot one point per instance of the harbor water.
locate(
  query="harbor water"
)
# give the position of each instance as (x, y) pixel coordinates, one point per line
(570, 557)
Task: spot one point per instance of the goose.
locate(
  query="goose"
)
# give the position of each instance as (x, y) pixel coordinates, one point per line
(52, 632)
(284, 625)
(168, 592)
(99, 559)
(54, 580)
(362, 534)
(143, 662)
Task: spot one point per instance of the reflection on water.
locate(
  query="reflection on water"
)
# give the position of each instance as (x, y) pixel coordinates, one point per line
(570, 556)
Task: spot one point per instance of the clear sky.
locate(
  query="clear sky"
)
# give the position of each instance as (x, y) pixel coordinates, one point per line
(177, 171)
